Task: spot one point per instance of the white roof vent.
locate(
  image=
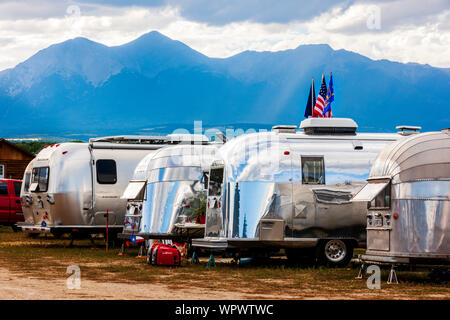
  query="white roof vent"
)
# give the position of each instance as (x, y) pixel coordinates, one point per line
(284, 129)
(329, 126)
(407, 130)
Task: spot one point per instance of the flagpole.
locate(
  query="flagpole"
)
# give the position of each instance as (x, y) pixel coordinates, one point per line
(331, 75)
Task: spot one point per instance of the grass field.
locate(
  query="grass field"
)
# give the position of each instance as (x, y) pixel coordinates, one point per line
(45, 258)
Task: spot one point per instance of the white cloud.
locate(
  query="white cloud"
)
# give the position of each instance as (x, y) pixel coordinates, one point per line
(424, 40)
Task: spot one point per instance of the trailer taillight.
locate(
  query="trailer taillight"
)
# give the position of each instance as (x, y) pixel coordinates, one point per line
(286, 153)
(64, 152)
(395, 216)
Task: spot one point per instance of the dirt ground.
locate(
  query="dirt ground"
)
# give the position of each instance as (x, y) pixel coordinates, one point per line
(18, 286)
(35, 268)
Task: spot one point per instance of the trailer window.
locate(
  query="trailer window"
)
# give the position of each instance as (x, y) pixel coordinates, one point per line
(39, 178)
(313, 170)
(3, 189)
(2, 171)
(383, 199)
(106, 172)
(215, 182)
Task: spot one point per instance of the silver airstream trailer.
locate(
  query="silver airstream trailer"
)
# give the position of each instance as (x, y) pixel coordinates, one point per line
(290, 189)
(408, 192)
(76, 187)
(167, 194)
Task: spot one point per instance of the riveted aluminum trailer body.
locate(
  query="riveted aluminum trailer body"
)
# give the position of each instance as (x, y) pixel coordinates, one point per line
(77, 186)
(167, 195)
(408, 192)
(291, 189)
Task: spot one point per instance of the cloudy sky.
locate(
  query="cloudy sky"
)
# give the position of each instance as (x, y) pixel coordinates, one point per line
(399, 30)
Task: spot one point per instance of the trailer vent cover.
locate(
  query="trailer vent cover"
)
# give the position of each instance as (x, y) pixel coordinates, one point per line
(329, 126)
(284, 129)
(408, 130)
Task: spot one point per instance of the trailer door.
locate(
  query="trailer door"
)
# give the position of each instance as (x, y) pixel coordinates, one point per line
(312, 176)
(106, 191)
(214, 209)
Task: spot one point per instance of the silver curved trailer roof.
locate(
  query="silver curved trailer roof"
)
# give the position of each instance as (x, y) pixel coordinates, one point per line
(424, 156)
(410, 181)
(267, 176)
(275, 156)
(74, 196)
(170, 179)
(175, 156)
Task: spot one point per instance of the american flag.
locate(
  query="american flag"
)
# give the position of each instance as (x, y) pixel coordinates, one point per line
(320, 101)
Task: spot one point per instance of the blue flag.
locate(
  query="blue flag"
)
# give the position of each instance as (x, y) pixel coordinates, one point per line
(330, 98)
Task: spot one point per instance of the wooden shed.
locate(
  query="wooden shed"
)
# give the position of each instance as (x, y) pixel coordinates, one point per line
(13, 160)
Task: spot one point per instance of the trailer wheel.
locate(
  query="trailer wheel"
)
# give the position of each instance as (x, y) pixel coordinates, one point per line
(336, 253)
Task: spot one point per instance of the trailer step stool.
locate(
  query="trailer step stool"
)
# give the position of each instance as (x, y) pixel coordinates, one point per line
(194, 258)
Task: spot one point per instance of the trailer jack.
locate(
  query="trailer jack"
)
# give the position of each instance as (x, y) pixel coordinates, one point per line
(362, 271)
(122, 249)
(392, 276)
(194, 258)
(211, 262)
(141, 252)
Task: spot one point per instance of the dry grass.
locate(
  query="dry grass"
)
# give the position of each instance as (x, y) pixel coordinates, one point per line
(41, 257)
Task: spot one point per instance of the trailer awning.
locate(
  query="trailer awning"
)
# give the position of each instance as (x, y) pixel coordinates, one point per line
(370, 191)
(134, 190)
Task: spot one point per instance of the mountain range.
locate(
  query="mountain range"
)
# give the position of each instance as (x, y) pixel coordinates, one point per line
(83, 86)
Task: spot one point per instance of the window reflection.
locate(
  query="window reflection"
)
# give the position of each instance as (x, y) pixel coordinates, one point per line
(215, 182)
(313, 170)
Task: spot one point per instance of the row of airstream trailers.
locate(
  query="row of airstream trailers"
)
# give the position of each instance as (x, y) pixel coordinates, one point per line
(259, 192)
(77, 187)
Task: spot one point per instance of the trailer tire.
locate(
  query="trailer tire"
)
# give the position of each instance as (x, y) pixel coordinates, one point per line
(336, 252)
